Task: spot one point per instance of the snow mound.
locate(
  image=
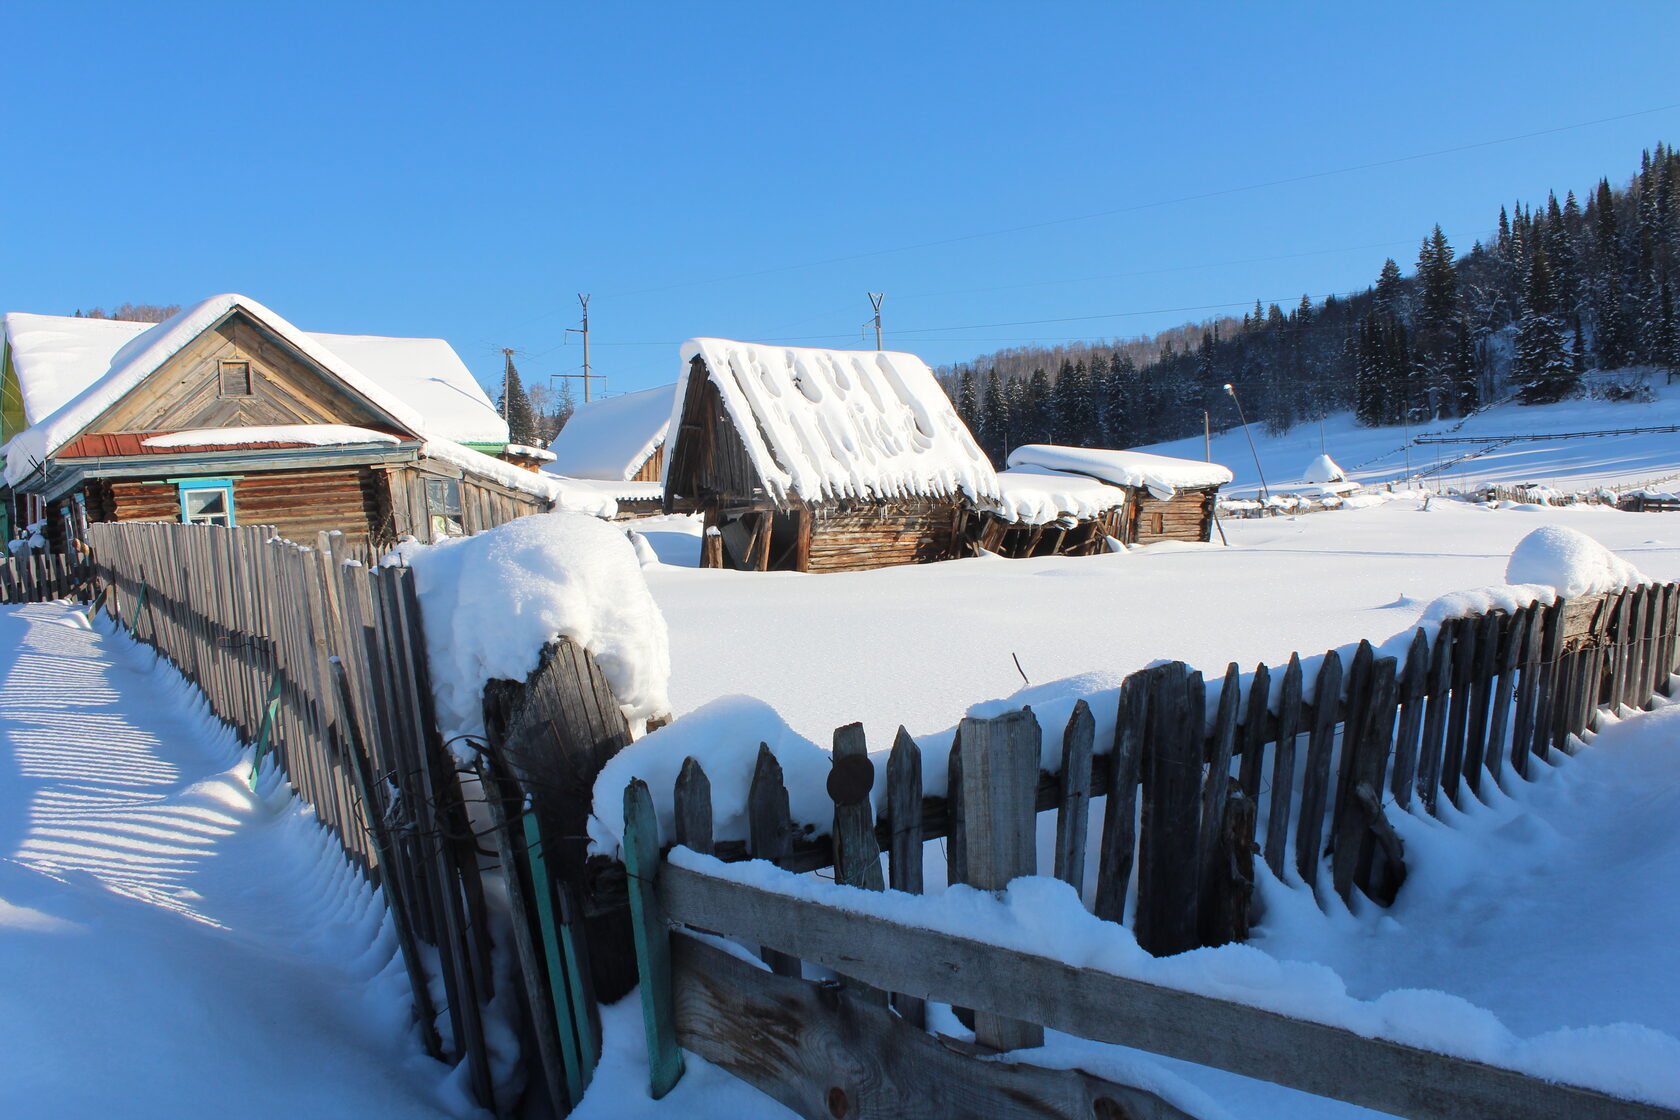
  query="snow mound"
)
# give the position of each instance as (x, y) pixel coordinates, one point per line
(1161, 475)
(1570, 561)
(492, 601)
(1323, 469)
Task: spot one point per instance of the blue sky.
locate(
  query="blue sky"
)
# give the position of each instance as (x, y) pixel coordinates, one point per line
(752, 170)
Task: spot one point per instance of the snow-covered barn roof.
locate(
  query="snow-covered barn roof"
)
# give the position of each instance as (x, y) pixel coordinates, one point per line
(1037, 496)
(1161, 475)
(71, 370)
(611, 439)
(828, 424)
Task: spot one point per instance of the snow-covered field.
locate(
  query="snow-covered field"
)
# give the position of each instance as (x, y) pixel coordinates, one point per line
(1543, 909)
(171, 943)
(1378, 455)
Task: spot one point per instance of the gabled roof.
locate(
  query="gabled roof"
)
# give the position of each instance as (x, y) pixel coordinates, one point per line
(71, 370)
(610, 439)
(828, 424)
(1161, 475)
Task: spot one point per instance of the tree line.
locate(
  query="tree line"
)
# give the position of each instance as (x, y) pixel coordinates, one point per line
(1560, 297)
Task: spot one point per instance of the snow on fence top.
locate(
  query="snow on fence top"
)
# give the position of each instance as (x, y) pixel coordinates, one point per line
(610, 439)
(827, 424)
(1037, 496)
(71, 370)
(493, 601)
(1161, 475)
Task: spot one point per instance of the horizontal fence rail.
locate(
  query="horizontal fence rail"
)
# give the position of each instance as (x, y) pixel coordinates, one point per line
(1301, 775)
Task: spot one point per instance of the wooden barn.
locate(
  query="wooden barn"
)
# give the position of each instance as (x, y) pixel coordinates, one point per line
(616, 446)
(820, 460)
(1074, 501)
(227, 413)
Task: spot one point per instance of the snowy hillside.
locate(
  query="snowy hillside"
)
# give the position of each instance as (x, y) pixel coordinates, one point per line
(1379, 455)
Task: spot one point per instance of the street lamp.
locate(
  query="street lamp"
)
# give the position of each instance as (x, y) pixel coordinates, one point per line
(1264, 493)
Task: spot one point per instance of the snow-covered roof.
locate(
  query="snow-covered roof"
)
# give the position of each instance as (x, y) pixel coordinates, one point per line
(1161, 475)
(1323, 469)
(71, 370)
(610, 439)
(618, 491)
(57, 356)
(826, 424)
(1036, 496)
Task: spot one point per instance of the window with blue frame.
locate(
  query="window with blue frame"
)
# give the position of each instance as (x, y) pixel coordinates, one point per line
(206, 501)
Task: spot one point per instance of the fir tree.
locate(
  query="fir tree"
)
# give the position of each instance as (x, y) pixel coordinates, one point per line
(1542, 367)
(515, 407)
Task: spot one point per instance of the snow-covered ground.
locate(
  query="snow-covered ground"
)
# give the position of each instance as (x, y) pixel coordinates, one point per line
(1379, 455)
(171, 943)
(1543, 908)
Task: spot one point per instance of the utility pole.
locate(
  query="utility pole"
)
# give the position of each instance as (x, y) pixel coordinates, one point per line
(507, 381)
(1207, 436)
(875, 299)
(583, 298)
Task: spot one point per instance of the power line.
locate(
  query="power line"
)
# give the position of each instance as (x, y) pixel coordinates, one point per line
(1198, 197)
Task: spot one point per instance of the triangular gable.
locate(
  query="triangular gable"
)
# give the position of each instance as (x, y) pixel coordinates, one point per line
(134, 364)
(238, 373)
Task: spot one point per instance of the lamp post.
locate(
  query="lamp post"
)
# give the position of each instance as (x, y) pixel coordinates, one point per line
(1265, 494)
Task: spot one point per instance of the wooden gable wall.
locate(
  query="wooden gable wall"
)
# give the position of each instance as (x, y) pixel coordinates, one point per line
(709, 464)
(286, 388)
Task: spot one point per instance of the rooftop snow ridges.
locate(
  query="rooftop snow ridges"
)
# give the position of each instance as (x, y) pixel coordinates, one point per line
(829, 424)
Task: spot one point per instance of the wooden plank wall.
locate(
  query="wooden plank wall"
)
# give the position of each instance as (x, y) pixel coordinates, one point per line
(1186, 516)
(319, 662)
(484, 504)
(297, 504)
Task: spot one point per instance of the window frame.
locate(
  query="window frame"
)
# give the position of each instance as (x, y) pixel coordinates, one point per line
(250, 379)
(438, 513)
(185, 486)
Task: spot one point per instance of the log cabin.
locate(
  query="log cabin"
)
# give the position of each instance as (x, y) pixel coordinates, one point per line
(616, 446)
(226, 414)
(820, 460)
(1075, 501)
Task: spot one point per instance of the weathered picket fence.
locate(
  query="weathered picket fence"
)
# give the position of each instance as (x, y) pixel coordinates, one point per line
(320, 663)
(37, 577)
(1476, 705)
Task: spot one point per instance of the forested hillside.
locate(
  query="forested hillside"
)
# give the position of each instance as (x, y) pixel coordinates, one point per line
(1562, 293)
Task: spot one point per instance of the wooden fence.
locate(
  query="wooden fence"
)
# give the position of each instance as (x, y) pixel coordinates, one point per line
(320, 663)
(1301, 780)
(36, 577)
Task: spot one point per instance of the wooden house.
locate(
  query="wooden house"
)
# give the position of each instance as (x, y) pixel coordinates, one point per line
(1076, 500)
(820, 460)
(227, 413)
(616, 446)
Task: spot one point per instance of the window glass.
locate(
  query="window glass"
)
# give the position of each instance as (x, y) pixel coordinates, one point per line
(443, 507)
(205, 507)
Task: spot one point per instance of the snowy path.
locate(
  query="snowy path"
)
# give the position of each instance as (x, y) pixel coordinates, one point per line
(172, 944)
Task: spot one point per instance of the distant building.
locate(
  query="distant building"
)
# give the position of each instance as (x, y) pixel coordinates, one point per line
(820, 460)
(228, 414)
(616, 446)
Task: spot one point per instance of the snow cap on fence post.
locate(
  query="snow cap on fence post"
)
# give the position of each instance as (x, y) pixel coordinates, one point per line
(493, 601)
(1572, 562)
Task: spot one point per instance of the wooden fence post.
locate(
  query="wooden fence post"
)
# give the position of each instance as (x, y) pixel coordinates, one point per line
(1074, 801)
(999, 791)
(1283, 767)
(770, 833)
(1119, 833)
(1168, 861)
(1315, 781)
(904, 855)
(653, 939)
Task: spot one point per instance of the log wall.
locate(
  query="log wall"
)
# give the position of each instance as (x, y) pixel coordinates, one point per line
(1186, 516)
(298, 504)
(854, 537)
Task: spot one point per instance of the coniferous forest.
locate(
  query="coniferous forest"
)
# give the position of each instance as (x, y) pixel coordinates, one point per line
(1558, 299)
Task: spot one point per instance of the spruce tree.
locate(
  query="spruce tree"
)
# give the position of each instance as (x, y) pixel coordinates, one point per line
(515, 406)
(1542, 368)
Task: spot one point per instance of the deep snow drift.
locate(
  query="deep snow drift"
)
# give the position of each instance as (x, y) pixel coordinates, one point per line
(171, 943)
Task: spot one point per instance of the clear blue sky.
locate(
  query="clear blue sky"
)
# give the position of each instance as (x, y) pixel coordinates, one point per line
(751, 170)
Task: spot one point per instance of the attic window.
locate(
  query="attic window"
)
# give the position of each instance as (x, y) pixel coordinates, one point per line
(234, 379)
